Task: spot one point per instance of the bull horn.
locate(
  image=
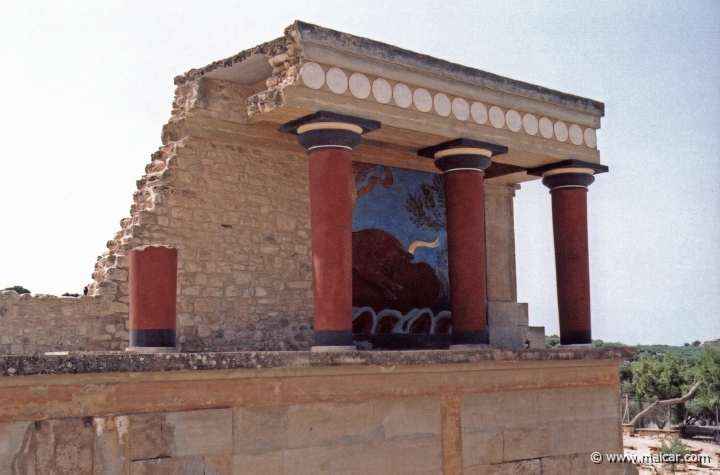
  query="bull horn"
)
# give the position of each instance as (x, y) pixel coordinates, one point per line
(415, 244)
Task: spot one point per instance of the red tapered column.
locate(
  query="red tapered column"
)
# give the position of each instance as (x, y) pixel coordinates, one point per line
(568, 188)
(153, 296)
(462, 162)
(329, 139)
(331, 230)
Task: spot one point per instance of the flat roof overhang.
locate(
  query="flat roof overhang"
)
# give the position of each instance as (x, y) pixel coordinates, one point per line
(538, 125)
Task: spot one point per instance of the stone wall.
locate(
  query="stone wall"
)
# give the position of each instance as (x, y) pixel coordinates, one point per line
(233, 198)
(33, 324)
(236, 208)
(379, 413)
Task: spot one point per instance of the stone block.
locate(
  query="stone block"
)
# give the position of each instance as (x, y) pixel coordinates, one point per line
(507, 337)
(507, 314)
(265, 464)
(110, 449)
(217, 464)
(150, 437)
(516, 409)
(414, 417)
(305, 461)
(576, 437)
(536, 337)
(523, 444)
(581, 463)
(118, 275)
(403, 456)
(65, 447)
(310, 425)
(201, 432)
(258, 430)
(17, 448)
(168, 466)
(524, 467)
(578, 404)
(482, 447)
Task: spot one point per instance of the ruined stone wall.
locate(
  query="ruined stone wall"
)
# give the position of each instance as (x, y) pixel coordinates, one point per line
(34, 324)
(237, 209)
(238, 212)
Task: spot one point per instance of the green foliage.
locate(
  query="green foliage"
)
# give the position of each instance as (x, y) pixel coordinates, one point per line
(659, 377)
(689, 354)
(708, 371)
(626, 376)
(552, 341)
(696, 343)
(608, 344)
(19, 289)
(678, 450)
(666, 372)
(427, 206)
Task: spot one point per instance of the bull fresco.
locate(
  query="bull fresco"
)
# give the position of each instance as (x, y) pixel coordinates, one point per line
(400, 276)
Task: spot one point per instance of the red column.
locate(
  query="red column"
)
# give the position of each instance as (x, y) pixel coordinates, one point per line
(568, 188)
(462, 162)
(465, 215)
(329, 139)
(331, 229)
(153, 296)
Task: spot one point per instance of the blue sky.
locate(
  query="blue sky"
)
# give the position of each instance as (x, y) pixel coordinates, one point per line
(87, 86)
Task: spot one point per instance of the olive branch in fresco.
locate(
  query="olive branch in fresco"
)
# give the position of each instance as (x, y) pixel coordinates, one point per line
(427, 206)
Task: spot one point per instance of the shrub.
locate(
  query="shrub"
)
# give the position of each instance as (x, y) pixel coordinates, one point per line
(19, 289)
(677, 450)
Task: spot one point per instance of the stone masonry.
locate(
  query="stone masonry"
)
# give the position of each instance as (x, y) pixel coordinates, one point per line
(238, 214)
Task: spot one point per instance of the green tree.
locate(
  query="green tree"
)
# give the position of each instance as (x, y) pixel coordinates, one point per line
(707, 370)
(660, 377)
(552, 341)
(19, 289)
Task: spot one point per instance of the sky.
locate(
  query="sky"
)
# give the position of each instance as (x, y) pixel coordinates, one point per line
(87, 87)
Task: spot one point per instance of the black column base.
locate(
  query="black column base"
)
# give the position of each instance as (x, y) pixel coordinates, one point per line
(334, 338)
(403, 341)
(475, 337)
(152, 338)
(575, 338)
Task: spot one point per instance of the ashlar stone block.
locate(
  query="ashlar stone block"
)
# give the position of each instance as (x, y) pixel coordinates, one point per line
(17, 448)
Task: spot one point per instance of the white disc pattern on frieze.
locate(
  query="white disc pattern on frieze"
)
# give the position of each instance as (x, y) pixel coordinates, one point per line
(313, 75)
(479, 112)
(546, 127)
(422, 100)
(382, 92)
(561, 131)
(576, 134)
(497, 117)
(359, 85)
(442, 105)
(513, 120)
(530, 124)
(337, 80)
(590, 137)
(403, 95)
(460, 109)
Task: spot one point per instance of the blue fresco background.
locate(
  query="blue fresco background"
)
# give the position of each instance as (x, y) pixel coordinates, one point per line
(384, 208)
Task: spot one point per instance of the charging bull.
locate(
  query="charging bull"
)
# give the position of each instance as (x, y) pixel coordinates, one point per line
(383, 276)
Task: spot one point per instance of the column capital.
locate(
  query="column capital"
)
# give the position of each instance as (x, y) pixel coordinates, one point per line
(568, 174)
(462, 154)
(325, 130)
